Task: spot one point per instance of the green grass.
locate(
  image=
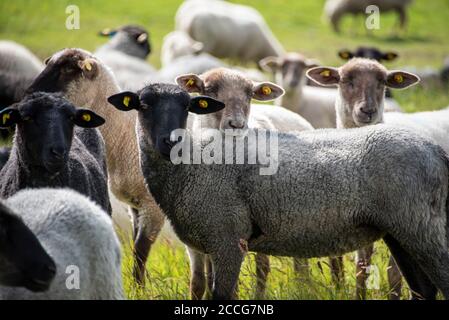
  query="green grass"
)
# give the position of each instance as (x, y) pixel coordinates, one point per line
(40, 25)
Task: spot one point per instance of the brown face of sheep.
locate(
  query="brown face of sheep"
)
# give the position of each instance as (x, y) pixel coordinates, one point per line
(234, 90)
(361, 84)
(290, 69)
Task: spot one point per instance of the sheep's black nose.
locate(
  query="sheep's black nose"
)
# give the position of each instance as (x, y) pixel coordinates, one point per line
(236, 124)
(58, 153)
(368, 111)
(168, 142)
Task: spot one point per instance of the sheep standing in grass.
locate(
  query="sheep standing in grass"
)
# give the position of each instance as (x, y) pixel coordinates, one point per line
(79, 237)
(316, 105)
(337, 190)
(228, 30)
(49, 152)
(361, 94)
(125, 54)
(86, 81)
(336, 9)
(236, 92)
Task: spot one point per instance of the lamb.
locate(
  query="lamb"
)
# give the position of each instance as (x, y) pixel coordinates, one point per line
(380, 181)
(228, 30)
(334, 10)
(89, 84)
(125, 54)
(361, 87)
(236, 91)
(48, 152)
(316, 105)
(79, 237)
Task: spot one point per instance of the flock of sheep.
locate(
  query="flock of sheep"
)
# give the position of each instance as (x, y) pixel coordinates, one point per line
(91, 129)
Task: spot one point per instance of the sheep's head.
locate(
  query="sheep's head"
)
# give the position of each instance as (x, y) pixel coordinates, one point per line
(290, 70)
(163, 108)
(130, 39)
(23, 260)
(234, 90)
(361, 84)
(45, 126)
(178, 44)
(369, 53)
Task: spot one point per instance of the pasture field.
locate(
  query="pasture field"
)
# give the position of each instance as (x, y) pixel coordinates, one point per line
(40, 25)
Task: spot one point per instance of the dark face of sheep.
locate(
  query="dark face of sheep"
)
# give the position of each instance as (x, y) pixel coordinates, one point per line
(236, 92)
(130, 39)
(163, 108)
(290, 69)
(23, 260)
(45, 126)
(368, 53)
(362, 84)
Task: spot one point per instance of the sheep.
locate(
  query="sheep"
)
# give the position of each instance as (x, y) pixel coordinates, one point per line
(125, 54)
(23, 260)
(337, 190)
(316, 105)
(79, 237)
(361, 87)
(89, 85)
(228, 30)
(334, 10)
(17, 59)
(178, 44)
(49, 152)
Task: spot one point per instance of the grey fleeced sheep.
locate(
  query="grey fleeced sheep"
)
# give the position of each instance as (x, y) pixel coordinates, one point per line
(19, 60)
(334, 192)
(228, 30)
(79, 237)
(49, 151)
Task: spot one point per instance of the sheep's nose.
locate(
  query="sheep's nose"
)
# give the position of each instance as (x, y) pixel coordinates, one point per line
(168, 142)
(368, 110)
(58, 153)
(236, 124)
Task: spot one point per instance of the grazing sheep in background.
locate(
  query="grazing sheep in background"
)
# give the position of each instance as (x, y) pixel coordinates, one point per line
(361, 94)
(236, 92)
(89, 85)
(336, 9)
(49, 152)
(17, 59)
(178, 44)
(228, 30)
(80, 238)
(316, 105)
(23, 260)
(379, 181)
(125, 54)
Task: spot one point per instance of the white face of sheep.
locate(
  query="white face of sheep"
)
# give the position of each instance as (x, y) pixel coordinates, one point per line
(361, 84)
(235, 91)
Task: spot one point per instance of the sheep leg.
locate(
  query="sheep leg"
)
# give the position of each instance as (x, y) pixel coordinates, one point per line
(226, 264)
(363, 261)
(337, 270)
(394, 280)
(419, 283)
(301, 267)
(197, 276)
(262, 271)
(402, 17)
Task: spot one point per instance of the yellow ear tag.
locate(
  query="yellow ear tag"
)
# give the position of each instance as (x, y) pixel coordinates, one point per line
(190, 83)
(6, 117)
(86, 117)
(266, 90)
(325, 73)
(390, 56)
(203, 104)
(87, 65)
(398, 78)
(345, 55)
(126, 101)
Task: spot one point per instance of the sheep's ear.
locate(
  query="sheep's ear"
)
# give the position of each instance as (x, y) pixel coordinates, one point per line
(205, 105)
(107, 32)
(47, 60)
(401, 79)
(9, 117)
(325, 76)
(389, 56)
(270, 64)
(345, 54)
(125, 101)
(87, 119)
(142, 37)
(191, 83)
(266, 91)
(89, 67)
(198, 47)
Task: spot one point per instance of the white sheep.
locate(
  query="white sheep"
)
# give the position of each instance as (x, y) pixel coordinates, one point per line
(228, 30)
(79, 236)
(17, 59)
